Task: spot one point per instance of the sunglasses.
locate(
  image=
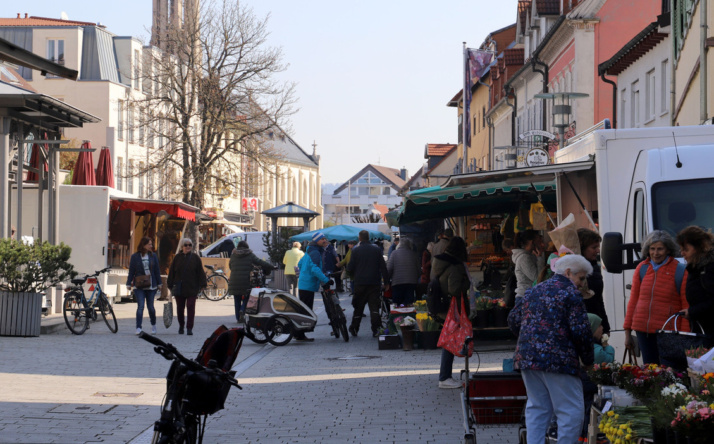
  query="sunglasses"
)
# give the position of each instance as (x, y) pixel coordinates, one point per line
(188, 245)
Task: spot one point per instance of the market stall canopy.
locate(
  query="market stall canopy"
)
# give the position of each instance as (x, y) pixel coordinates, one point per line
(340, 233)
(290, 210)
(488, 192)
(176, 209)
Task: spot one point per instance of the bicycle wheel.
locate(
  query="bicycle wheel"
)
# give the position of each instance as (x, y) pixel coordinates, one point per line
(75, 314)
(217, 288)
(331, 311)
(343, 327)
(279, 331)
(256, 335)
(108, 313)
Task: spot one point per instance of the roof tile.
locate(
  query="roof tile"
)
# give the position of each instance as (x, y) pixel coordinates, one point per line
(439, 149)
(42, 21)
(548, 7)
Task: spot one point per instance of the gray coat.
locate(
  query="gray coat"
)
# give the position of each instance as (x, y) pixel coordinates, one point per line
(404, 267)
(527, 267)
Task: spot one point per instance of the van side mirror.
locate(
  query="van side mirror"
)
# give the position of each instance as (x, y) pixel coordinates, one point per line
(611, 253)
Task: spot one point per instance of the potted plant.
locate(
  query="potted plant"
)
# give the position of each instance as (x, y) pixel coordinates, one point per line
(26, 271)
(484, 305)
(429, 330)
(406, 324)
(500, 313)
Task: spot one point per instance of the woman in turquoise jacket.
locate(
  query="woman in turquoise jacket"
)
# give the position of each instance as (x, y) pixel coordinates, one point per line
(308, 283)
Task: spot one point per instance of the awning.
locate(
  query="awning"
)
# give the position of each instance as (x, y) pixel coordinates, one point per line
(176, 209)
(226, 222)
(488, 192)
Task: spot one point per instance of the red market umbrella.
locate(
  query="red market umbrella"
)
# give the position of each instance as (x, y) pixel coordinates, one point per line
(35, 163)
(105, 172)
(84, 169)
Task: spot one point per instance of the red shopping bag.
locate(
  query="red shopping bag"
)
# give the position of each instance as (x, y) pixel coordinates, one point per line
(457, 328)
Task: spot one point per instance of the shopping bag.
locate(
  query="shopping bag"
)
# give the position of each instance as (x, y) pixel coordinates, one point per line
(672, 344)
(168, 313)
(457, 328)
(566, 234)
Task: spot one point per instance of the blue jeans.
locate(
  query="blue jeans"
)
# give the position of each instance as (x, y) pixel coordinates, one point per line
(447, 364)
(553, 393)
(145, 295)
(239, 302)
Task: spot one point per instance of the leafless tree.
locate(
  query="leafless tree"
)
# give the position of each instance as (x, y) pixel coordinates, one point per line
(211, 104)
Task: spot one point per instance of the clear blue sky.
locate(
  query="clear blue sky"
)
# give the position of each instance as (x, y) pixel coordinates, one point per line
(373, 76)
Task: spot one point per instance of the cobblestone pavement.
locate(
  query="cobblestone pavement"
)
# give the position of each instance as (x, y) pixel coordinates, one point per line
(104, 387)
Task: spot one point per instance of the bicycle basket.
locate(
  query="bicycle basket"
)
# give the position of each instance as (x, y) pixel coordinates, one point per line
(253, 305)
(205, 393)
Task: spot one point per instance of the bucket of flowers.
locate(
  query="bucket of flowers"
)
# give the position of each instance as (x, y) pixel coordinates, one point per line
(626, 425)
(484, 307)
(429, 330)
(645, 382)
(500, 313)
(406, 325)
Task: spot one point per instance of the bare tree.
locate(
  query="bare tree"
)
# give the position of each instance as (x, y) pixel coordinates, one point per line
(211, 104)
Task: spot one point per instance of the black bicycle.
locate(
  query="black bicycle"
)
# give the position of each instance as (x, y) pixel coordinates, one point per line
(334, 312)
(195, 388)
(216, 284)
(78, 310)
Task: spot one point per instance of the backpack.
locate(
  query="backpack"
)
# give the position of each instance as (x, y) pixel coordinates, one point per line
(436, 301)
(678, 274)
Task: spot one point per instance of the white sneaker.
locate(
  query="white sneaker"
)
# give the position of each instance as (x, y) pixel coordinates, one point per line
(450, 383)
(153, 329)
(138, 330)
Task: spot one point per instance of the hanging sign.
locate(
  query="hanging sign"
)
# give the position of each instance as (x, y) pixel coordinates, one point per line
(537, 157)
(250, 204)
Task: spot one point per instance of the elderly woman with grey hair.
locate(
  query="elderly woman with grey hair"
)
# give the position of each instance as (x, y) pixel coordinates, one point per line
(658, 292)
(404, 269)
(186, 279)
(554, 336)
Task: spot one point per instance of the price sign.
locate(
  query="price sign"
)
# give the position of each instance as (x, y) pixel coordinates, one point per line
(250, 204)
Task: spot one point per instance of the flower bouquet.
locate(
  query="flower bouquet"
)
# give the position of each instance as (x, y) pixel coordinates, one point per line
(695, 420)
(426, 322)
(644, 382)
(602, 374)
(626, 425)
(420, 306)
(405, 322)
(662, 408)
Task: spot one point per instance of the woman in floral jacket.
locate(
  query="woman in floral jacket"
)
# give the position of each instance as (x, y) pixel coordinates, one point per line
(554, 335)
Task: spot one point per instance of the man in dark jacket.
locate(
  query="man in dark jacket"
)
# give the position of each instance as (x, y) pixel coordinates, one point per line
(239, 285)
(369, 270)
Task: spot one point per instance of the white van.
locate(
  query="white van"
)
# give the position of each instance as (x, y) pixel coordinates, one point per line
(254, 239)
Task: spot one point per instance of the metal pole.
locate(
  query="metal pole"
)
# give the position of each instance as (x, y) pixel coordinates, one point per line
(50, 195)
(4, 177)
(40, 192)
(18, 179)
(561, 142)
(55, 215)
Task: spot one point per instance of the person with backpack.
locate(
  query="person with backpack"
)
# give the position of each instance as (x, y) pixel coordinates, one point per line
(697, 250)
(658, 292)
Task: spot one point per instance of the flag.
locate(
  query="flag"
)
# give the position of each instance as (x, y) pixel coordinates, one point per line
(476, 62)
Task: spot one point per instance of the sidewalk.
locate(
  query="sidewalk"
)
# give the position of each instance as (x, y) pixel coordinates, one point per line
(101, 387)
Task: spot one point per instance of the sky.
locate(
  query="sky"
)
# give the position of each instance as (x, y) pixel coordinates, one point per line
(373, 76)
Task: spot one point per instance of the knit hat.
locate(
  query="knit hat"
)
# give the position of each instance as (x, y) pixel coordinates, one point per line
(317, 236)
(595, 321)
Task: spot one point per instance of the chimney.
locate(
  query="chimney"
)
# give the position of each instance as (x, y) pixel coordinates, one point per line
(25, 15)
(403, 173)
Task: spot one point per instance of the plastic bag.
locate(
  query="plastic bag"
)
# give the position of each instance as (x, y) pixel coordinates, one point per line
(457, 328)
(566, 234)
(539, 218)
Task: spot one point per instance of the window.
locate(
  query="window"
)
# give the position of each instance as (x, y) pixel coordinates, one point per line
(623, 108)
(130, 177)
(120, 173)
(120, 120)
(635, 104)
(142, 123)
(55, 53)
(161, 132)
(137, 69)
(130, 125)
(664, 86)
(678, 204)
(483, 117)
(142, 179)
(151, 183)
(640, 219)
(650, 93)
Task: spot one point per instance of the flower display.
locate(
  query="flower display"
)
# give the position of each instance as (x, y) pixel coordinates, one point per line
(625, 425)
(501, 303)
(426, 322)
(696, 353)
(695, 420)
(602, 373)
(404, 321)
(484, 303)
(420, 306)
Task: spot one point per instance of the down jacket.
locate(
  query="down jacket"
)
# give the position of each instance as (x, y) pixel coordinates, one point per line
(553, 330)
(241, 264)
(655, 299)
(700, 293)
(527, 267)
(403, 267)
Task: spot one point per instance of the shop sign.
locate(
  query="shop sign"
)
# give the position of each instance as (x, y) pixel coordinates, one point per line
(250, 204)
(537, 157)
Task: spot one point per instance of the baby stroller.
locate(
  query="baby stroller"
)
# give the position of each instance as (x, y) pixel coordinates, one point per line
(275, 316)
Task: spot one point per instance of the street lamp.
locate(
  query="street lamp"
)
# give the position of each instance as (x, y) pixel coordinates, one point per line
(561, 110)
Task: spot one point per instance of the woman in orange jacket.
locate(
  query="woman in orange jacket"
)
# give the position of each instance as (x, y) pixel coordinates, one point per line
(658, 292)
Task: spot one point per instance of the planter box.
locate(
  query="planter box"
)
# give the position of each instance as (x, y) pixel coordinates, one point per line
(390, 342)
(20, 313)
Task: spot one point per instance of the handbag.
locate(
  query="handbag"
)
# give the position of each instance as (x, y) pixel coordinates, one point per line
(672, 344)
(142, 281)
(168, 313)
(457, 328)
(629, 357)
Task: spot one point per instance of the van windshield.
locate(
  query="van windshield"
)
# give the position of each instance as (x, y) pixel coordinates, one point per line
(679, 204)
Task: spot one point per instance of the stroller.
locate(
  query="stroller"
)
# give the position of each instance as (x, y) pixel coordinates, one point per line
(275, 316)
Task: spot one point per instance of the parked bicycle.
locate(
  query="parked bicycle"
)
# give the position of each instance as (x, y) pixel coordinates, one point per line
(217, 284)
(334, 312)
(78, 310)
(195, 388)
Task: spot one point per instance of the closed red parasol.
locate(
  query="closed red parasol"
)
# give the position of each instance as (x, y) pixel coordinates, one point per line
(35, 163)
(84, 169)
(105, 172)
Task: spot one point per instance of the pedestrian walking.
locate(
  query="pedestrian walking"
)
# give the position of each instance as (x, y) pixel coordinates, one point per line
(309, 281)
(369, 271)
(290, 260)
(241, 265)
(344, 262)
(144, 263)
(554, 336)
(450, 268)
(404, 268)
(186, 279)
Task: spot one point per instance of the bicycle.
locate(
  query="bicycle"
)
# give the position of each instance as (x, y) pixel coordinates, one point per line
(217, 284)
(77, 309)
(195, 388)
(334, 312)
(384, 308)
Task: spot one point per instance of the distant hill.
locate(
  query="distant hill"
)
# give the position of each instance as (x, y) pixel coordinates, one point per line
(329, 188)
